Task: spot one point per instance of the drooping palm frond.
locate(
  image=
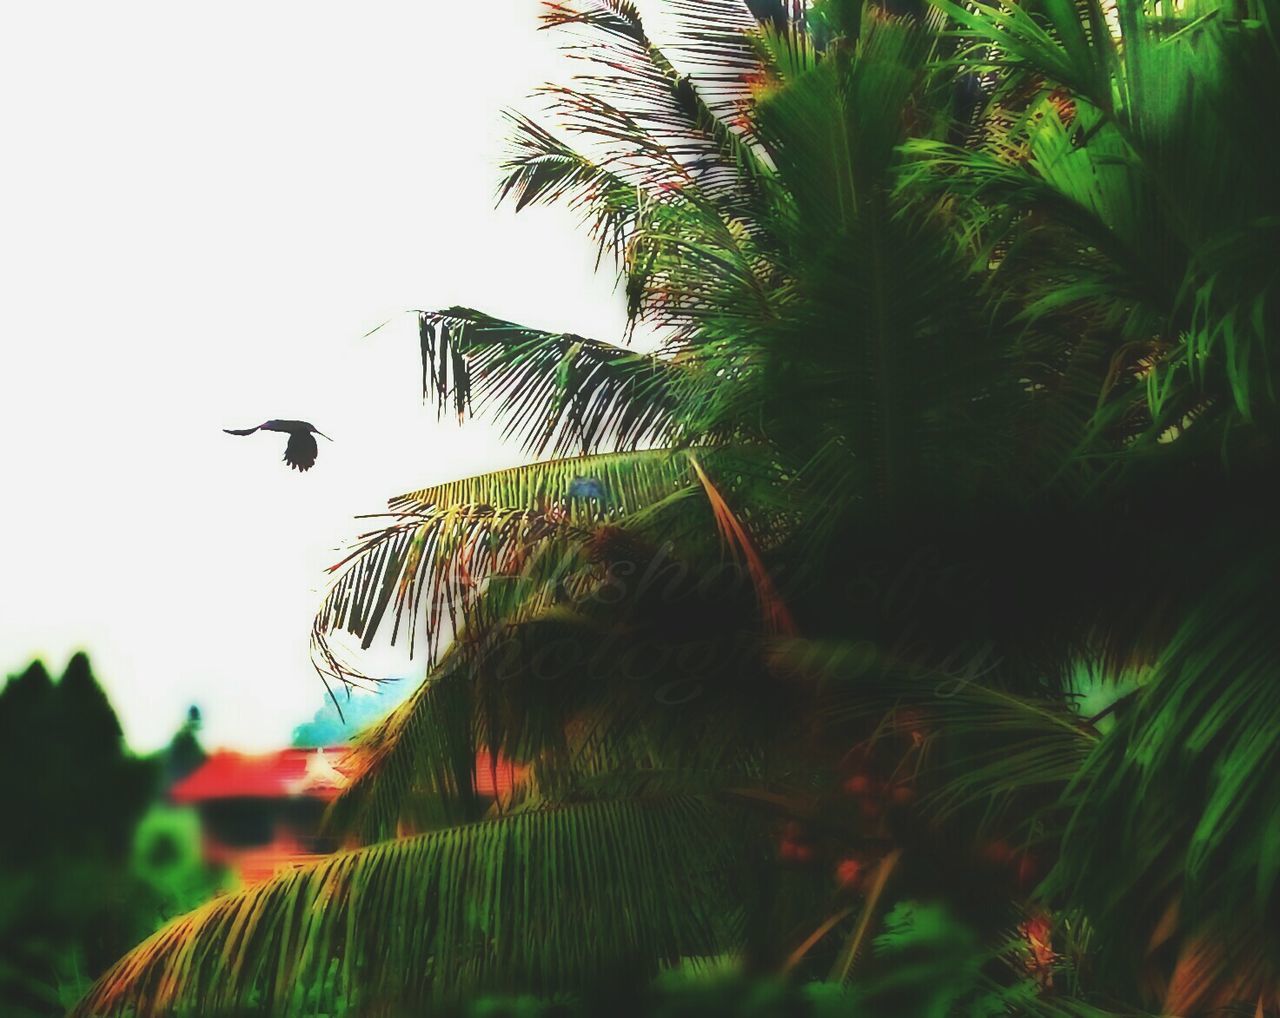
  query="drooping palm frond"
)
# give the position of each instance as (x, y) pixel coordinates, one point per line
(453, 553)
(415, 769)
(420, 573)
(557, 391)
(645, 141)
(424, 569)
(715, 42)
(404, 925)
(652, 667)
(542, 169)
(630, 70)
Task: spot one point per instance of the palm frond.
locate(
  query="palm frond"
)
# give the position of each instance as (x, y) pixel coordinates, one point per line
(777, 617)
(652, 668)
(1077, 52)
(715, 42)
(557, 391)
(662, 138)
(1156, 179)
(624, 483)
(424, 570)
(644, 142)
(542, 169)
(834, 128)
(415, 769)
(406, 924)
(1178, 797)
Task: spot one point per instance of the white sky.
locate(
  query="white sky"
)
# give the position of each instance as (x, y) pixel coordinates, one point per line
(204, 206)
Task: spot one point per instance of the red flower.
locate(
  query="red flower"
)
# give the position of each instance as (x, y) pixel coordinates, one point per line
(795, 851)
(848, 872)
(998, 852)
(1038, 932)
(793, 847)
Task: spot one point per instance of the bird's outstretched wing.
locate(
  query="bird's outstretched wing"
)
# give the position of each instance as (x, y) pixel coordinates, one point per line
(301, 451)
(244, 431)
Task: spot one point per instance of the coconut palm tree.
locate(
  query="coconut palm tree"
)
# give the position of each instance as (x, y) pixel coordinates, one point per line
(1127, 185)
(957, 320)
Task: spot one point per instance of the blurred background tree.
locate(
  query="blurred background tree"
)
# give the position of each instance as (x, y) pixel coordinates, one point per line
(330, 726)
(83, 876)
(184, 753)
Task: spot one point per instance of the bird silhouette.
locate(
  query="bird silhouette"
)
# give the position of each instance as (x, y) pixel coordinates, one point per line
(301, 451)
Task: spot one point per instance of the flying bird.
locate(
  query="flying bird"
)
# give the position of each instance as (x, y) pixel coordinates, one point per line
(301, 451)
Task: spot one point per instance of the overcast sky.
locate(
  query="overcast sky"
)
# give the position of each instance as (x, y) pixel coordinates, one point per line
(204, 207)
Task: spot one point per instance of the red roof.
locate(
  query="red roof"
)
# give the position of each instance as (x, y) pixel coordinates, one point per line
(493, 779)
(309, 773)
(287, 773)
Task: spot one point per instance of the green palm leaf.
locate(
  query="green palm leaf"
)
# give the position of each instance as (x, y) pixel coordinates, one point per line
(542, 169)
(398, 926)
(1053, 41)
(558, 391)
(1154, 177)
(414, 770)
(426, 568)
(1179, 800)
(627, 483)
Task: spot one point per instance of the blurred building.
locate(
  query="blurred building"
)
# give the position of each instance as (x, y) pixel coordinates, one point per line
(261, 814)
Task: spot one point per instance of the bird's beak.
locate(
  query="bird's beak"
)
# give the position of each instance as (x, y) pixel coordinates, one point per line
(323, 435)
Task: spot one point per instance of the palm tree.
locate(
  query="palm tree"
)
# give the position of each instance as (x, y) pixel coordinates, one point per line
(1131, 205)
(958, 318)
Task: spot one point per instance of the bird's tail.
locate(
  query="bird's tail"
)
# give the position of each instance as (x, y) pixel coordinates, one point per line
(246, 431)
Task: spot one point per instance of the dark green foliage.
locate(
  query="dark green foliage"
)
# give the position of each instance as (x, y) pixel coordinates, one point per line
(184, 753)
(76, 787)
(73, 796)
(1184, 792)
(924, 964)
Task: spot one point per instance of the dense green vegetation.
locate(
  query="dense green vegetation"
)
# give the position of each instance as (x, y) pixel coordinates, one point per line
(90, 860)
(897, 635)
